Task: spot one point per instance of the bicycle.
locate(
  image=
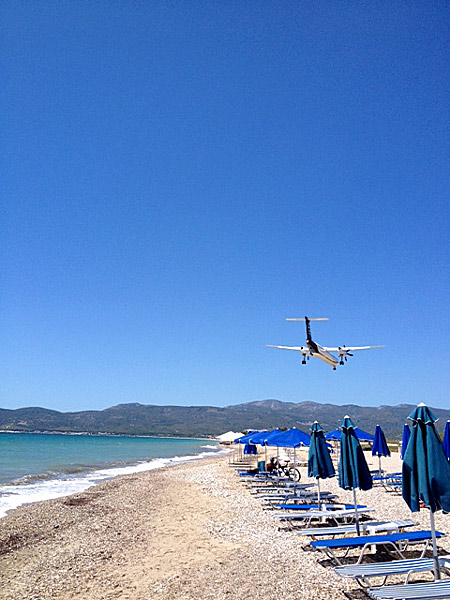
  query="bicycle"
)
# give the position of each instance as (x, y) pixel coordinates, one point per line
(287, 470)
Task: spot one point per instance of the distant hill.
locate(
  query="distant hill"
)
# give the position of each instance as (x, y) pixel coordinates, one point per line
(191, 421)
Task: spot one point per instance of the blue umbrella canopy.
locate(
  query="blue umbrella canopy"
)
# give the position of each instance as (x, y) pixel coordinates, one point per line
(292, 438)
(353, 470)
(319, 460)
(258, 437)
(244, 438)
(405, 440)
(446, 440)
(362, 436)
(426, 471)
(379, 446)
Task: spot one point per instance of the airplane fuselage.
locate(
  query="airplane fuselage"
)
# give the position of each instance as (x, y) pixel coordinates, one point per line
(316, 350)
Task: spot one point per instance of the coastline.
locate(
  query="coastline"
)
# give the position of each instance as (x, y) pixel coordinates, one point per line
(188, 532)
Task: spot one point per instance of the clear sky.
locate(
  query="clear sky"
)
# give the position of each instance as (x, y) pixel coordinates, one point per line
(179, 177)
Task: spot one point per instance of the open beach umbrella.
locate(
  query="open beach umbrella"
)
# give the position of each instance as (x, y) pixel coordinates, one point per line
(258, 437)
(426, 471)
(353, 470)
(320, 465)
(446, 440)
(266, 440)
(292, 438)
(405, 440)
(244, 438)
(363, 436)
(379, 446)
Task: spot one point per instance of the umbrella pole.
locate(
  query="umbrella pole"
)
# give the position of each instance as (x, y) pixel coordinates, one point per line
(358, 531)
(379, 464)
(265, 459)
(436, 569)
(318, 491)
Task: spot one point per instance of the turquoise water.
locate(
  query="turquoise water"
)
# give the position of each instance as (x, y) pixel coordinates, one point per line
(37, 467)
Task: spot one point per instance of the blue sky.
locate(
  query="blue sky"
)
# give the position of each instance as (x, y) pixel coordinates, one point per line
(179, 177)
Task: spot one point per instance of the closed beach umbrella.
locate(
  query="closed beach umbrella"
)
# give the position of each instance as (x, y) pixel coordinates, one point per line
(379, 446)
(426, 471)
(243, 439)
(405, 440)
(353, 470)
(320, 465)
(446, 440)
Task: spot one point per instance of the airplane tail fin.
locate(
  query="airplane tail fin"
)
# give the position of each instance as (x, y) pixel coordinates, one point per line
(307, 320)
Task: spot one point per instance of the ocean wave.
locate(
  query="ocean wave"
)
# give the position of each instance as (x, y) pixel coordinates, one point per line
(47, 486)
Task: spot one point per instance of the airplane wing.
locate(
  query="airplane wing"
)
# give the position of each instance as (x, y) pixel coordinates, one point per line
(351, 348)
(298, 348)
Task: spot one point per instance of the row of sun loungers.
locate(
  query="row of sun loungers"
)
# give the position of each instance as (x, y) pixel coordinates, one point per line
(396, 536)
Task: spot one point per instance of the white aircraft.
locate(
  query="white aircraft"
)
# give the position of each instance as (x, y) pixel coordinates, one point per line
(323, 353)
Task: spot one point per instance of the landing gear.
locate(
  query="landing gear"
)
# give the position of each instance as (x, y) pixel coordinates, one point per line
(303, 362)
(341, 362)
(334, 368)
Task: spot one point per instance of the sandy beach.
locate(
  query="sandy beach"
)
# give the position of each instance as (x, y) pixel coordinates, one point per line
(186, 532)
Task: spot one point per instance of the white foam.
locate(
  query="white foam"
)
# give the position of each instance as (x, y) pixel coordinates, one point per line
(13, 496)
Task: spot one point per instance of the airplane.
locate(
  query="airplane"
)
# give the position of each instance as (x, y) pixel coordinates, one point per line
(312, 348)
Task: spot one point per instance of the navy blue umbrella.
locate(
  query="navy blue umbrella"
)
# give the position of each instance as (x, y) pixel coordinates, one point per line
(379, 446)
(405, 440)
(320, 464)
(353, 470)
(426, 471)
(446, 440)
(250, 449)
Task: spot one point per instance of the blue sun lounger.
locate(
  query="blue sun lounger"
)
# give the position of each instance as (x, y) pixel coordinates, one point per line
(413, 591)
(362, 573)
(397, 541)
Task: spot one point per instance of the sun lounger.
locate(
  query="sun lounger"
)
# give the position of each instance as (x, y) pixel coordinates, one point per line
(367, 527)
(317, 507)
(412, 591)
(298, 498)
(362, 573)
(397, 541)
(346, 515)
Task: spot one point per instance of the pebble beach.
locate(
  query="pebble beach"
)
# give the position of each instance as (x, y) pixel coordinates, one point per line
(188, 532)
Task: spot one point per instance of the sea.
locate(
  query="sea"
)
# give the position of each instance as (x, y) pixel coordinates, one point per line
(38, 466)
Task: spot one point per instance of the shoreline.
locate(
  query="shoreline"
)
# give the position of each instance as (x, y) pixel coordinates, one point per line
(105, 434)
(188, 532)
(42, 487)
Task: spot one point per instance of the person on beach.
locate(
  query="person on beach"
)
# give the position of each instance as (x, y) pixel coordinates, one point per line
(272, 464)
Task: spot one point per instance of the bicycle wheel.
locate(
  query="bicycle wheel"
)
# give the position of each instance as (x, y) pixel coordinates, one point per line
(294, 474)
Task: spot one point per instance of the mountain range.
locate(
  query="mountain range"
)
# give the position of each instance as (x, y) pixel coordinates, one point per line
(203, 421)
